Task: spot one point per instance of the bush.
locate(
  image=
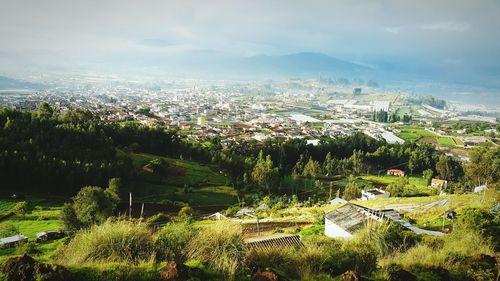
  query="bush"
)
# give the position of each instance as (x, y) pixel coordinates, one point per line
(484, 222)
(158, 219)
(231, 211)
(186, 212)
(220, 247)
(278, 259)
(310, 261)
(23, 207)
(8, 229)
(120, 241)
(27, 248)
(172, 240)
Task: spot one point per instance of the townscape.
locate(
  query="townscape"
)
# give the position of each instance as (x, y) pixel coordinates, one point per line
(249, 140)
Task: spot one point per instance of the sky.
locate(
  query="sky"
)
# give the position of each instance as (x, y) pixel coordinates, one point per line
(460, 37)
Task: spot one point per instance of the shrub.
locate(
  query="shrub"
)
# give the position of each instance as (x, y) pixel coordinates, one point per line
(186, 212)
(484, 222)
(120, 241)
(231, 211)
(27, 248)
(310, 261)
(8, 229)
(23, 207)
(219, 246)
(279, 259)
(158, 219)
(172, 240)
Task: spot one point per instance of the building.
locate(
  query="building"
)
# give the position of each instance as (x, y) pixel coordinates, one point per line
(201, 121)
(49, 235)
(396, 172)
(337, 201)
(480, 188)
(343, 222)
(439, 183)
(374, 194)
(12, 240)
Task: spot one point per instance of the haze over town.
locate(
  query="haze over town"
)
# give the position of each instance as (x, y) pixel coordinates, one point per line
(249, 140)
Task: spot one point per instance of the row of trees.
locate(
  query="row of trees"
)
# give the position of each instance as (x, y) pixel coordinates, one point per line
(44, 151)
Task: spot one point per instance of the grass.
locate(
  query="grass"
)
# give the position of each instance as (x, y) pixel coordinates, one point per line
(387, 179)
(445, 141)
(207, 186)
(44, 217)
(121, 241)
(414, 134)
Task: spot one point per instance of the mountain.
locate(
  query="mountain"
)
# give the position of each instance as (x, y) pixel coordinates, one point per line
(10, 83)
(300, 64)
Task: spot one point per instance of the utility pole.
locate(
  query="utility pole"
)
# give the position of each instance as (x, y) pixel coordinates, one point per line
(130, 206)
(142, 210)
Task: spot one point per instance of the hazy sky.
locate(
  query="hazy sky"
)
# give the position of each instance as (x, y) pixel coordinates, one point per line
(453, 33)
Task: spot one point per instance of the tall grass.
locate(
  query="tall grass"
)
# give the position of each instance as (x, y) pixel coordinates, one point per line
(172, 240)
(220, 247)
(120, 241)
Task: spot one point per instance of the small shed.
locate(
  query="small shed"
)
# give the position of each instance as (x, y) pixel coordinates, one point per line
(49, 235)
(12, 240)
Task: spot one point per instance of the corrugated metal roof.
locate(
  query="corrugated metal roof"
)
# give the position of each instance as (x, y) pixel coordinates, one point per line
(275, 240)
(12, 239)
(349, 217)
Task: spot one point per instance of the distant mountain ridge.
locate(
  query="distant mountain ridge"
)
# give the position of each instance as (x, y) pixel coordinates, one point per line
(305, 63)
(11, 83)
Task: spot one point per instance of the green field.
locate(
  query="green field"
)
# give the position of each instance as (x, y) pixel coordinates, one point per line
(413, 134)
(45, 216)
(207, 186)
(446, 141)
(386, 180)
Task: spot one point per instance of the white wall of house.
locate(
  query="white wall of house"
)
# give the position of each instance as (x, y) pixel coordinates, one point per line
(333, 230)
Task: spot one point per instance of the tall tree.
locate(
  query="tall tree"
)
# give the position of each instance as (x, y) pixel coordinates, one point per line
(263, 173)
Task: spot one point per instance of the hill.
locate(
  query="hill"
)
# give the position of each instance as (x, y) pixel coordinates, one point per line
(10, 83)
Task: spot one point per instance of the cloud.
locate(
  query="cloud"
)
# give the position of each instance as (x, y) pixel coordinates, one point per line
(447, 26)
(155, 42)
(394, 29)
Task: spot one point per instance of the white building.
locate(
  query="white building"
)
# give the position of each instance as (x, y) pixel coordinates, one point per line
(374, 194)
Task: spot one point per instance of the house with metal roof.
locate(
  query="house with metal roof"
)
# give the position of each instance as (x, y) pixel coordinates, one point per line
(344, 221)
(12, 240)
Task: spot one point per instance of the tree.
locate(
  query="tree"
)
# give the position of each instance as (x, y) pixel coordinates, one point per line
(448, 168)
(484, 165)
(352, 191)
(46, 110)
(312, 169)
(69, 219)
(93, 205)
(113, 191)
(263, 173)
(427, 175)
(443, 167)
